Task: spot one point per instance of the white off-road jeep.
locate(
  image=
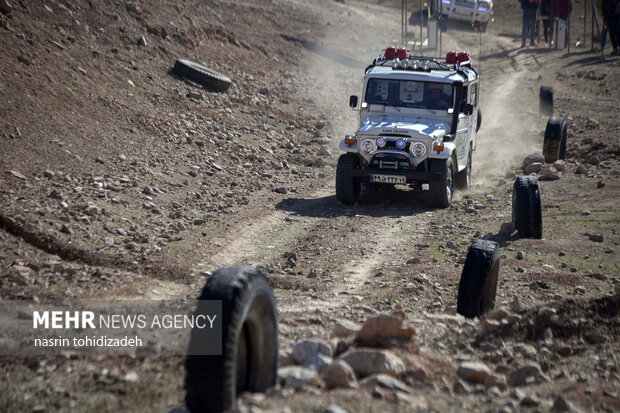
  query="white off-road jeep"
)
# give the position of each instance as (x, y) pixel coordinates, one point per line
(418, 121)
(478, 12)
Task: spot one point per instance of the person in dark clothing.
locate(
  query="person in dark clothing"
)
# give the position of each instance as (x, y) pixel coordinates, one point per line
(545, 13)
(611, 21)
(529, 20)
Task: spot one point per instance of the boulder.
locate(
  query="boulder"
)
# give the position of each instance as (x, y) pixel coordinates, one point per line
(473, 372)
(366, 362)
(384, 381)
(384, 328)
(344, 328)
(530, 159)
(533, 167)
(525, 374)
(298, 377)
(307, 349)
(339, 374)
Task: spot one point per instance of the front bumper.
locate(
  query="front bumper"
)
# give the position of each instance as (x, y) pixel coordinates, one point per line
(412, 176)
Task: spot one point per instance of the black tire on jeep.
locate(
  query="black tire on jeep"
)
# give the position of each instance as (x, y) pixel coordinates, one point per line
(462, 179)
(545, 101)
(202, 74)
(249, 359)
(347, 187)
(527, 207)
(554, 143)
(442, 189)
(478, 284)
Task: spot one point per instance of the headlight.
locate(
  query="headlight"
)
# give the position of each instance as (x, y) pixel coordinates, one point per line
(418, 149)
(396, 63)
(380, 142)
(368, 146)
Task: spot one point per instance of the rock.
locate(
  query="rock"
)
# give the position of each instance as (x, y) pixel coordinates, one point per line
(580, 289)
(147, 190)
(498, 314)
(524, 374)
(280, 190)
(17, 174)
(597, 237)
(474, 372)
(318, 362)
(559, 165)
(488, 327)
(581, 170)
(334, 408)
(552, 174)
(413, 261)
(308, 349)
(594, 160)
(383, 328)
(507, 228)
(366, 362)
(264, 91)
(298, 377)
(600, 184)
(323, 151)
(496, 380)
(55, 194)
(133, 7)
(339, 374)
(561, 405)
(530, 401)
(520, 255)
(131, 377)
(194, 95)
(422, 278)
(470, 209)
(142, 41)
(533, 167)
(344, 328)
(592, 124)
(460, 387)
(534, 158)
(452, 245)
(384, 381)
(6, 7)
(66, 230)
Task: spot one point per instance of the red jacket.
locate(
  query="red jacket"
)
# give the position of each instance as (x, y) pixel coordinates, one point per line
(561, 7)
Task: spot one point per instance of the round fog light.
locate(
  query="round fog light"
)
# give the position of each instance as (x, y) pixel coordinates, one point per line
(400, 144)
(380, 142)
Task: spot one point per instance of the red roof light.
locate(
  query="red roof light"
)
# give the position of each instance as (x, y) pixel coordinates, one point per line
(396, 52)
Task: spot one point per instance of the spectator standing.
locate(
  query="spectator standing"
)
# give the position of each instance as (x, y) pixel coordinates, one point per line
(611, 21)
(545, 13)
(530, 7)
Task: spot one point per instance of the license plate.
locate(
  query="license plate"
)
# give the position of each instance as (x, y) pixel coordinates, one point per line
(389, 179)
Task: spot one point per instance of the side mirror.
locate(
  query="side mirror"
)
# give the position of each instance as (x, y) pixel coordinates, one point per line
(353, 101)
(467, 108)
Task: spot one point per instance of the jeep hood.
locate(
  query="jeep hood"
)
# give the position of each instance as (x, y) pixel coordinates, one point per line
(415, 127)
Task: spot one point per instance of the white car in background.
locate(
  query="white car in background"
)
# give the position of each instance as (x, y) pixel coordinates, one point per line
(477, 12)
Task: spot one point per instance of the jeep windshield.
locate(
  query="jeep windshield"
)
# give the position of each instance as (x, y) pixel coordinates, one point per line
(409, 94)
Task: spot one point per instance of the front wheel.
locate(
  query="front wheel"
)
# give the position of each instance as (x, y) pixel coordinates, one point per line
(347, 187)
(463, 178)
(442, 189)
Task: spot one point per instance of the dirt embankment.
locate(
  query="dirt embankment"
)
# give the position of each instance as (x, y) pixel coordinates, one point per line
(116, 181)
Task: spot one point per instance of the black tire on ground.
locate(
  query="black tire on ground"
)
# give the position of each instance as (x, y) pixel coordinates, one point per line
(249, 359)
(527, 207)
(478, 284)
(443, 189)
(554, 144)
(347, 187)
(202, 74)
(462, 179)
(479, 120)
(545, 101)
(535, 225)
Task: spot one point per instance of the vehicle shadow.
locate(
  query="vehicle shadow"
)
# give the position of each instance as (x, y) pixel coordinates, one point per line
(387, 202)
